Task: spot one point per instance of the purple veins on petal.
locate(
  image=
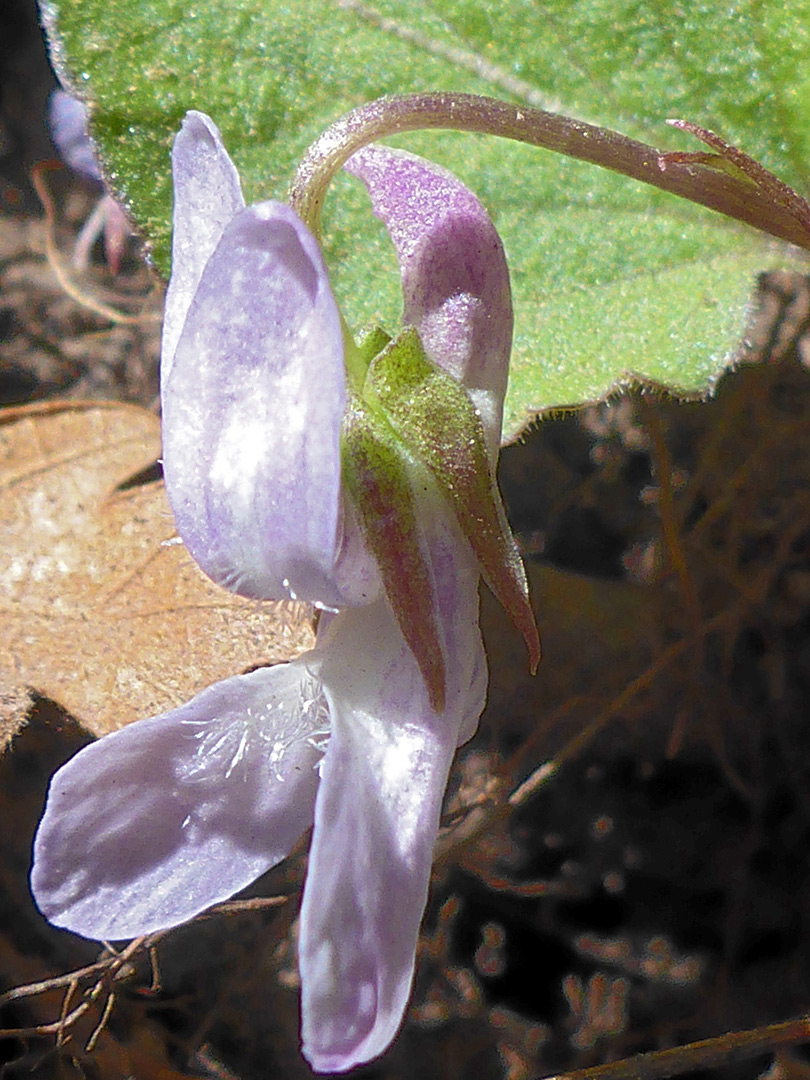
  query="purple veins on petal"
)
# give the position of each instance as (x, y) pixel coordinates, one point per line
(252, 409)
(149, 826)
(455, 279)
(253, 387)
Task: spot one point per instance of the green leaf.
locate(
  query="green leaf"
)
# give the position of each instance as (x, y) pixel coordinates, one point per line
(612, 280)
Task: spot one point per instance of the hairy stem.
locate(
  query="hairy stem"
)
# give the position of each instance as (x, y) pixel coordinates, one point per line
(737, 197)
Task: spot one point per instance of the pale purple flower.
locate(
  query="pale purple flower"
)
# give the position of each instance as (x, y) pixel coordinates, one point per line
(67, 119)
(68, 122)
(149, 826)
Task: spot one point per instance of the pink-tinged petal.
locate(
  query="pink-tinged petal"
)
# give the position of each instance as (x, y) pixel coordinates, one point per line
(108, 218)
(252, 408)
(67, 119)
(207, 196)
(455, 280)
(117, 231)
(377, 813)
(152, 824)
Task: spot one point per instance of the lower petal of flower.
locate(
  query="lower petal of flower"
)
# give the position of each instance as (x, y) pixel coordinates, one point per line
(378, 808)
(367, 888)
(152, 824)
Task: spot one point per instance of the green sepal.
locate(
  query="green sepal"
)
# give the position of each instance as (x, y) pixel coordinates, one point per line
(381, 477)
(435, 418)
(359, 356)
(372, 342)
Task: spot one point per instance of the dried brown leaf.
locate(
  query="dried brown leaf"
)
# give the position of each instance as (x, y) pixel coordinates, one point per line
(15, 701)
(101, 610)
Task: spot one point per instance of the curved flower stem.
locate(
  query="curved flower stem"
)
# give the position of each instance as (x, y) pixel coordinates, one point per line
(736, 196)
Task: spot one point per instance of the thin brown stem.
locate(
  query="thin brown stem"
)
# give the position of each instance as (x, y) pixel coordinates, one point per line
(105, 1016)
(706, 1054)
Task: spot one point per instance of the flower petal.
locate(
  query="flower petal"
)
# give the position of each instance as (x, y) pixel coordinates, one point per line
(207, 196)
(252, 408)
(455, 280)
(152, 824)
(67, 120)
(378, 806)
(117, 231)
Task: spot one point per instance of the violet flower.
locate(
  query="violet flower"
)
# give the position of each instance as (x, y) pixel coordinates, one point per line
(150, 825)
(68, 122)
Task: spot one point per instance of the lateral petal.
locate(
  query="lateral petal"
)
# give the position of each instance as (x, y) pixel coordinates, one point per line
(252, 407)
(378, 807)
(151, 825)
(455, 280)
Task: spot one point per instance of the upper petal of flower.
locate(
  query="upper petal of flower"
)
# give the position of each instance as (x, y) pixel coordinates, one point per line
(455, 280)
(207, 196)
(377, 812)
(152, 824)
(254, 387)
(252, 408)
